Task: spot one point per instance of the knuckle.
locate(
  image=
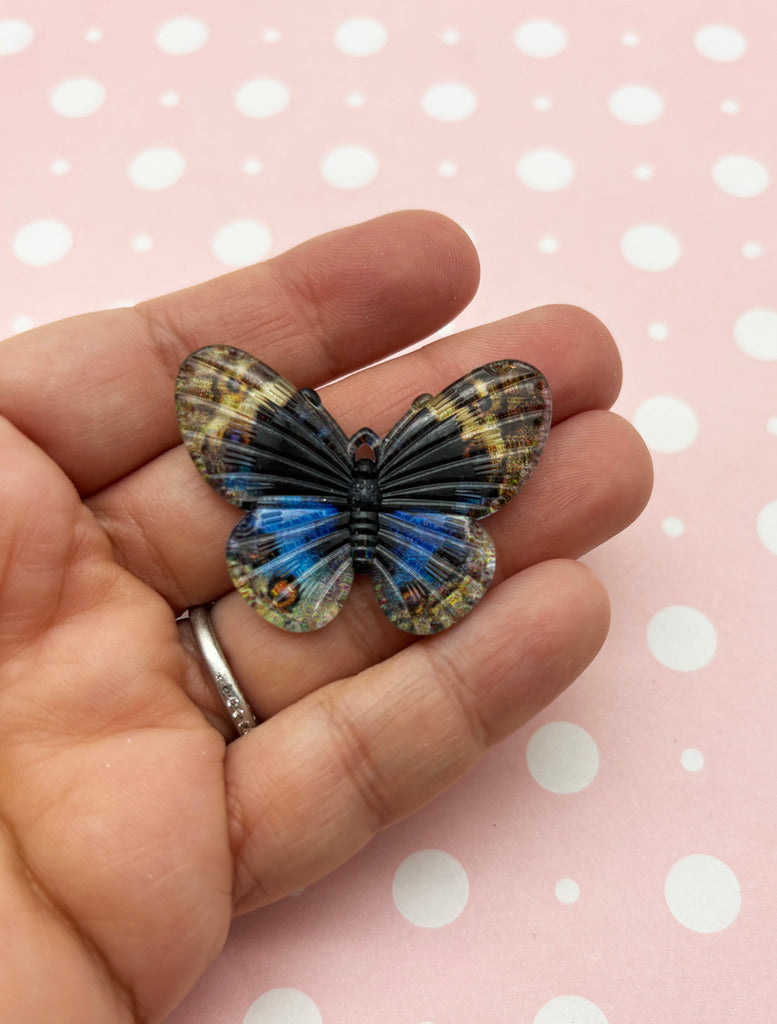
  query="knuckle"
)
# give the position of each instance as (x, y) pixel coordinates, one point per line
(359, 764)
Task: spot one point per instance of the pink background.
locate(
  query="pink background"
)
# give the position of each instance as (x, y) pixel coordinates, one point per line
(629, 169)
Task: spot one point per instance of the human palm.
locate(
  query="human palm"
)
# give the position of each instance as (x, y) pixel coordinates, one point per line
(130, 832)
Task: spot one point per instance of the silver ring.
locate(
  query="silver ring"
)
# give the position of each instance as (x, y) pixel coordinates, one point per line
(238, 707)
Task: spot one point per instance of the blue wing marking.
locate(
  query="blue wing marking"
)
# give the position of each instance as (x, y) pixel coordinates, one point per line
(293, 562)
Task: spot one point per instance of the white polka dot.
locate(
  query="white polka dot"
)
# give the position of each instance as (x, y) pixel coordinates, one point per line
(755, 332)
(448, 168)
(430, 888)
(658, 331)
(545, 170)
(548, 245)
(77, 97)
(263, 97)
(450, 36)
(567, 890)
(242, 242)
(142, 243)
(673, 527)
(650, 247)
(283, 1006)
(170, 99)
(355, 100)
(252, 166)
(562, 757)
(270, 35)
(540, 38)
(720, 42)
(542, 103)
(702, 893)
(751, 250)
(93, 35)
(767, 526)
(740, 176)
(570, 1010)
(60, 166)
(349, 167)
(360, 37)
(636, 104)
(15, 36)
(180, 36)
(158, 168)
(692, 760)
(643, 172)
(630, 39)
(22, 323)
(42, 243)
(771, 425)
(449, 101)
(681, 638)
(730, 107)
(666, 424)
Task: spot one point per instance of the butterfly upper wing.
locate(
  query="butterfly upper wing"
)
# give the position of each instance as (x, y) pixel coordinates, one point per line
(468, 450)
(429, 569)
(274, 450)
(452, 459)
(253, 435)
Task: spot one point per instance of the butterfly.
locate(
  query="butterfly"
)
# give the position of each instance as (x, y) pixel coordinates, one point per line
(321, 507)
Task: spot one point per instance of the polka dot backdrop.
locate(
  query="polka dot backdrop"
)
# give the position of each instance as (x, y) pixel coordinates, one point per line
(615, 860)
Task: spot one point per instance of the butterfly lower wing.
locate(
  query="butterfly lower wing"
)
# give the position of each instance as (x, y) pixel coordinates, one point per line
(430, 569)
(253, 435)
(293, 563)
(468, 450)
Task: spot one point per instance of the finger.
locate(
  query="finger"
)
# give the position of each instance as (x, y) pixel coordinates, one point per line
(96, 391)
(572, 503)
(313, 785)
(37, 540)
(595, 478)
(169, 528)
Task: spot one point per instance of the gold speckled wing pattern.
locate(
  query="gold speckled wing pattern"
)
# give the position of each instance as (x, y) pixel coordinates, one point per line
(430, 569)
(253, 435)
(471, 448)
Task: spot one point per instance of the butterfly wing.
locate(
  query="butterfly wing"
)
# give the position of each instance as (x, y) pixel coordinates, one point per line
(429, 569)
(471, 448)
(274, 450)
(292, 563)
(253, 435)
(452, 459)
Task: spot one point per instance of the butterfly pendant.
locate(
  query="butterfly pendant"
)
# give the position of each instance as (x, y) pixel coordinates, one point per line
(321, 507)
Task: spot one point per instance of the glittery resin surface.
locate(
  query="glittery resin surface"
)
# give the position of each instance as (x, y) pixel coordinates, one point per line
(319, 509)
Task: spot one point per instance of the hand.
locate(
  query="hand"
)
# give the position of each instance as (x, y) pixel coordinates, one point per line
(130, 832)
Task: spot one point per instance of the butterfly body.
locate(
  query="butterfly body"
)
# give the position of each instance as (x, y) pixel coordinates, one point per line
(364, 504)
(321, 507)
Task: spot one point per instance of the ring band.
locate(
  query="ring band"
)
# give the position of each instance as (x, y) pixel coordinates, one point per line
(238, 707)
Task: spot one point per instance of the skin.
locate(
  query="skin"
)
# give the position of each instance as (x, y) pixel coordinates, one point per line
(130, 831)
